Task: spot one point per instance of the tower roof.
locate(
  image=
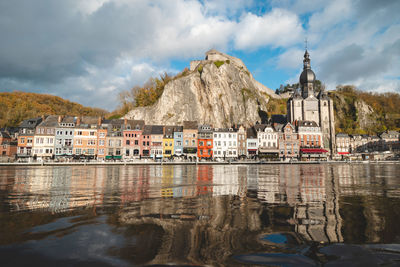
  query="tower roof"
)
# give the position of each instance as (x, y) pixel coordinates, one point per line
(307, 76)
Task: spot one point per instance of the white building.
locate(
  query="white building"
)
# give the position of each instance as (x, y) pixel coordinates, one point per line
(225, 143)
(267, 141)
(43, 142)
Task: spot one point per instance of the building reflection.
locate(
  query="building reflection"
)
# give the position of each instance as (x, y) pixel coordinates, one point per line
(207, 212)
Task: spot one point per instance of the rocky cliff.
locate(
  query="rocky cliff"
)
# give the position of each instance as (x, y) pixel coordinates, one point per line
(219, 91)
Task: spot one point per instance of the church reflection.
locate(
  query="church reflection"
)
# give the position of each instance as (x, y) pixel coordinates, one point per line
(207, 212)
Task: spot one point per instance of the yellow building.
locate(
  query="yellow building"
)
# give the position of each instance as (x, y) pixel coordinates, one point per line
(168, 141)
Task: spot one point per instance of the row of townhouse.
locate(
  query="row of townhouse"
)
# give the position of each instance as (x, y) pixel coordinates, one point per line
(351, 144)
(96, 138)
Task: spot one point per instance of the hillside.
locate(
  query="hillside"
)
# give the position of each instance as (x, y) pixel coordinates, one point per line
(358, 112)
(17, 106)
(218, 90)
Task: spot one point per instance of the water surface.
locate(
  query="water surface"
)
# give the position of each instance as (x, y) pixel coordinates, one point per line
(274, 215)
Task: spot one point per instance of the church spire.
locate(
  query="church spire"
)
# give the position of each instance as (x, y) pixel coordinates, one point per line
(307, 77)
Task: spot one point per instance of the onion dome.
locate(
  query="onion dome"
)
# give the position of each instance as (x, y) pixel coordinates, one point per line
(307, 76)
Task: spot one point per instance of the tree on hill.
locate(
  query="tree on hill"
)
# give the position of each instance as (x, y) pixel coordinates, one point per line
(18, 106)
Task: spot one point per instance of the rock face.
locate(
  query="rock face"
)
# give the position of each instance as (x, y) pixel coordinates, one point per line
(218, 90)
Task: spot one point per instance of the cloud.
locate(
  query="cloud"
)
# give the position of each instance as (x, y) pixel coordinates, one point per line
(277, 28)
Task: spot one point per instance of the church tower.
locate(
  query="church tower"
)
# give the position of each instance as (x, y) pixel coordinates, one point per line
(307, 77)
(307, 106)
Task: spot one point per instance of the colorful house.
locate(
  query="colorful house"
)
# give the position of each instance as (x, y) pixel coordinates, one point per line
(43, 143)
(190, 132)
(25, 137)
(168, 141)
(132, 133)
(102, 129)
(205, 142)
(64, 137)
(288, 142)
(8, 146)
(85, 137)
(157, 136)
(146, 141)
(114, 140)
(178, 140)
(225, 143)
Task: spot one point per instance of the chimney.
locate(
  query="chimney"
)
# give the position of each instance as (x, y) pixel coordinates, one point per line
(99, 121)
(43, 117)
(78, 121)
(60, 118)
(125, 121)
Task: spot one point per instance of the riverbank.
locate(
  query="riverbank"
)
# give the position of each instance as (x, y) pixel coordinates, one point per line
(186, 163)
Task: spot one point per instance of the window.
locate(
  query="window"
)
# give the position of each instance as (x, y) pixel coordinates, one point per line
(209, 143)
(91, 151)
(68, 142)
(136, 142)
(78, 151)
(102, 134)
(118, 152)
(193, 142)
(101, 151)
(91, 142)
(79, 132)
(201, 143)
(128, 142)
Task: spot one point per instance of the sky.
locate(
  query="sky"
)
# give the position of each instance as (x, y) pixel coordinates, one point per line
(89, 51)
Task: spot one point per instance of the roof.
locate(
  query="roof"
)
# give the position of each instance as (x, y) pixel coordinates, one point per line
(50, 121)
(135, 124)
(4, 134)
(178, 128)
(30, 123)
(342, 135)
(251, 132)
(193, 125)
(157, 129)
(147, 130)
(169, 130)
(89, 120)
(68, 119)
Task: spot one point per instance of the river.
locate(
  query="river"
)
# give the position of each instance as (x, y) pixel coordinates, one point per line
(214, 215)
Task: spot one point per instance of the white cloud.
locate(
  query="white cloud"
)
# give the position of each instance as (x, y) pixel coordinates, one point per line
(277, 28)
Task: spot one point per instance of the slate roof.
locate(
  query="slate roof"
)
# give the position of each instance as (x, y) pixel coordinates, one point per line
(192, 125)
(30, 123)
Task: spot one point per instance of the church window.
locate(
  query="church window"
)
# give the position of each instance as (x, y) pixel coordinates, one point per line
(325, 104)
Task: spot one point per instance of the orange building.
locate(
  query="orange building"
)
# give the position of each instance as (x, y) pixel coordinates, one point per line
(85, 137)
(205, 142)
(25, 137)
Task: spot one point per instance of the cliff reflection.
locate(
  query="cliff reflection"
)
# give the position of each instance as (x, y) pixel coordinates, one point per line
(202, 214)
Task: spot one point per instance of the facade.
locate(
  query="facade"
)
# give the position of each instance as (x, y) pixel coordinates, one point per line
(205, 142)
(309, 106)
(102, 130)
(390, 141)
(157, 135)
(225, 143)
(146, 141)
(310, 140)
(343, 144)
(190, 131)
(242, 142)
(64, 136)
(8, 147)
(267, 141)
(178, 140)
(85, 137)
(133, 130)
(114, 140)
(288, 142)
(43, 144)
(251, 142)
(25, 137)
(168, 141)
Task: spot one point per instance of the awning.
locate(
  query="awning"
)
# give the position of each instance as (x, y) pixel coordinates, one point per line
(313, 150)
(343, 153)
(252, 150)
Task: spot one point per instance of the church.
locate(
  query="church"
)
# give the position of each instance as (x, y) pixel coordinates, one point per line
(307, 105)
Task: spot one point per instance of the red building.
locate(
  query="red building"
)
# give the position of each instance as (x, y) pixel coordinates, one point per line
(132, 134)
(8, 147)
(145, 141)
(205, 142)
